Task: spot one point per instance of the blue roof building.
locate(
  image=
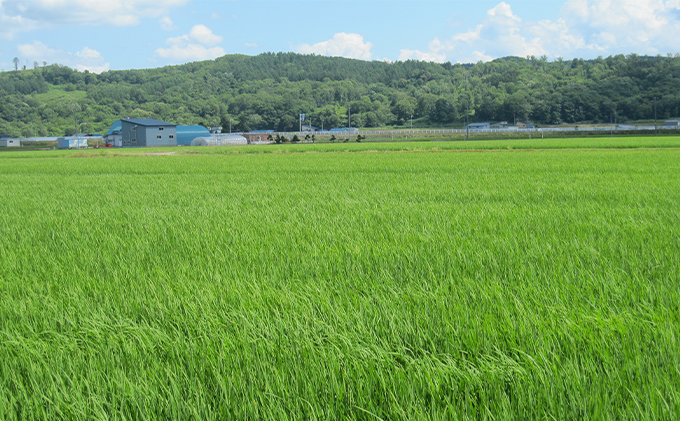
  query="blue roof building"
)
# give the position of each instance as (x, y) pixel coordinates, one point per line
(148, 132)
(115, 129)
(185, 134)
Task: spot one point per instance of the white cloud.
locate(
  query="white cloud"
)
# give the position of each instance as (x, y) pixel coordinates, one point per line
(85, 59)
(199, 44)
(641, 26)
(252, 45)
(434, 54)
(190, 52)
(422, 56)
(203, 35)
(503, 9)
(342, 45)
(26, 15)
(88, 53)
(585, 28)
(469, 36)
(167, 24)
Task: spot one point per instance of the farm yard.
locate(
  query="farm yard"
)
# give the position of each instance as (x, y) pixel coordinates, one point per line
(514, 279)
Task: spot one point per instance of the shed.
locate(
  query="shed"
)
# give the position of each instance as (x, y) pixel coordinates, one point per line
(7, 142)
(475, 126)
(114, 135)
(71, 142)
(148, 132)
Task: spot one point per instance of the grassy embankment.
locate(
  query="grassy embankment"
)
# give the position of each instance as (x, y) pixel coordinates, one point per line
(541, 284)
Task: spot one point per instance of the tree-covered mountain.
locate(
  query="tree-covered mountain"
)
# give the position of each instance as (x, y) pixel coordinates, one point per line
(269, 91)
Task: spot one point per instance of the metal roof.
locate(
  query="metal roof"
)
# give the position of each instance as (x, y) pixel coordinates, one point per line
(149, 122)
(185, 134)
(117, 126)
(262, 131)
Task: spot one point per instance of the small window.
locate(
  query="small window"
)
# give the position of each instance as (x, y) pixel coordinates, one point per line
(159, 137)
(160, 128)
(134, 140)
(172, 136)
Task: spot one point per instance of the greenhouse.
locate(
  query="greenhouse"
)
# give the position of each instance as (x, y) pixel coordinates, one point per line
(220, 140)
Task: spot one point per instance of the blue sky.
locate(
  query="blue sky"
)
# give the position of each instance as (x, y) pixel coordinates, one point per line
(101, 35)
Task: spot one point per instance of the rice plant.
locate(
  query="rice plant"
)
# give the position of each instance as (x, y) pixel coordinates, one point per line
(501, 284)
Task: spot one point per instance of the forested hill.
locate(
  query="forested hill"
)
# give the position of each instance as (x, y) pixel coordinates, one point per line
(270, 90)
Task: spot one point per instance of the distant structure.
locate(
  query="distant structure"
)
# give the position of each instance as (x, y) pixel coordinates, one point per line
(114, 136)
(502, 125)
(344, 130)
(9, 143)
(148, 132)
(671, 124)
(186, 134)
(220, 140)
(525, 125)
(72, 142)
(478, 126)
(258, 136)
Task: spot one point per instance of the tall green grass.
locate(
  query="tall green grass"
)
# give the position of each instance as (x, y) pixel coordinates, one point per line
(507, 285)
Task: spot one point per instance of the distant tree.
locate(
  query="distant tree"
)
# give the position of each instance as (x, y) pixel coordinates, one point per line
(307, 137)
(295, 139)
(313, 138)
(44, 64)
(16, 63)
(224, 122)
(35, 64)
(332, 139)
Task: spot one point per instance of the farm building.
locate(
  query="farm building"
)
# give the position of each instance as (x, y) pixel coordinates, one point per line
(671, 124)
(477, 126)
(186, 134)
(258, 135)
(72, 142)
(7, 142)
(114, 136)
(148, 132)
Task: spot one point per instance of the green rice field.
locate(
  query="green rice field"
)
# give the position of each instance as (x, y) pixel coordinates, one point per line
(505, 280)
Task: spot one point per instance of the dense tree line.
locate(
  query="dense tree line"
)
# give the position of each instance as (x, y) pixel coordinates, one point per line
(269, 91)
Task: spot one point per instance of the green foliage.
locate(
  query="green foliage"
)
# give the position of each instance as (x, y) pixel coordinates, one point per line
(270, 90)
(355, 286)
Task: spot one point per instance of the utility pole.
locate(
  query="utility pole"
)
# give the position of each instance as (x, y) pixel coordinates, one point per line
(656, 131)
(349, 122)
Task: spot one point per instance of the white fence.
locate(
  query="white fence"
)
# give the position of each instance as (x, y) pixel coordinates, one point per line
(402, 133)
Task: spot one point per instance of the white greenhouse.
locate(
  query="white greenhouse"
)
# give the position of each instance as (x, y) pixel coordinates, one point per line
(220, 140)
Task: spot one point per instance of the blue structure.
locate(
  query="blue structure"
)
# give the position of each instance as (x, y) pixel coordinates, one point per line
(71, 142)
(477, 126)
(186, 134)
(115, 129)
(148, 132)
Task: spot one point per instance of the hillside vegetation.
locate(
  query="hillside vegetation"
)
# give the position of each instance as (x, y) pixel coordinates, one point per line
(270, 90)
